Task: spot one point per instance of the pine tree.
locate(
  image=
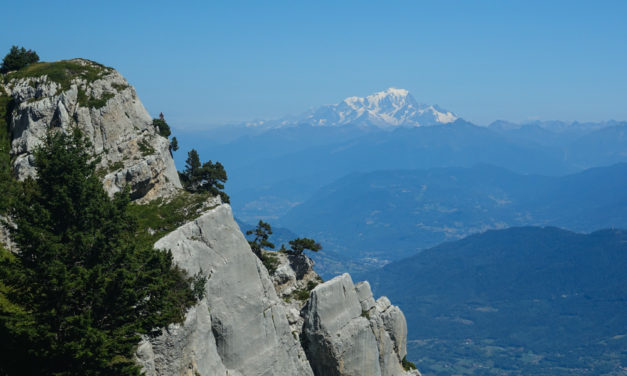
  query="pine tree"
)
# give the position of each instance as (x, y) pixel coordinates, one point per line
(209, 176)
(80, 290)
(262, 233)
(18, 58)
(299, 245)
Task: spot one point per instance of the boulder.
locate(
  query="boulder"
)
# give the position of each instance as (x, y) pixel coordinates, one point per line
(347, 333)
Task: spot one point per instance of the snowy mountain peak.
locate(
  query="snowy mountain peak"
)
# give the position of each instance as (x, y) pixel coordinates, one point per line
(389, 108)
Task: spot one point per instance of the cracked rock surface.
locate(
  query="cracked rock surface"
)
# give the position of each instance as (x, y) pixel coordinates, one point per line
(106, 108)
(240, 327)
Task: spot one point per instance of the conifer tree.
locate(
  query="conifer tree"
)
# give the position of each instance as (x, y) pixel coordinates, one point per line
(208, 176)
(262, 233)
(18, 58)
(299, 245)
(80, 290)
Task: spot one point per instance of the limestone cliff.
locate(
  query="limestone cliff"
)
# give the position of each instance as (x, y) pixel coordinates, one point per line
(249, 323)
(242, 327)
(101, 102)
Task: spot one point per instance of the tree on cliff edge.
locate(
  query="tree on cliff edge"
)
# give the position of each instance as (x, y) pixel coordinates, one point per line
(209, 177)
(80, 290)
(18, 58)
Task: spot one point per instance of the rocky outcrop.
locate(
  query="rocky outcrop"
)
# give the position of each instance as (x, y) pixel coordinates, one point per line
(344, 330)
(98, 100)
(241, 326)
(347, 333)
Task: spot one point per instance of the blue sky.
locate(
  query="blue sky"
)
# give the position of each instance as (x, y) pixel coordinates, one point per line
(204, 63)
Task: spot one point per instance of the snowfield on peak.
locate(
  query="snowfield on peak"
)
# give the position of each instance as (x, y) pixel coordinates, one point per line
(389, 108)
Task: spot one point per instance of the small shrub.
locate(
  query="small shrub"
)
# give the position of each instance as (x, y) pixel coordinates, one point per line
(162, 127)
(119, 87)
(145, 148)
(407, 365)
(300, 294)
(92, 102)
(365, 314)
(270, 261)
(311, 285)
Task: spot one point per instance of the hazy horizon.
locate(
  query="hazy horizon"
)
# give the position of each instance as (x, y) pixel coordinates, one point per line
(227, 62)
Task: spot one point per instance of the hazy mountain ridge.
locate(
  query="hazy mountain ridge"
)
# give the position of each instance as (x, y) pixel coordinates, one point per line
(387, 215)
(272, 171)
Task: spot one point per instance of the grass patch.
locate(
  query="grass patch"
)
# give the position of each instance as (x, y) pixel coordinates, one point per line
(62, 72)
(93, 102)
(145, 148)
(119, 87)
(116, 166)
(158, 218)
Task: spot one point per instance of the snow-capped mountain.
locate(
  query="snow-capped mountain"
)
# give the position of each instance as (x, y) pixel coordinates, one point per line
(388, 108)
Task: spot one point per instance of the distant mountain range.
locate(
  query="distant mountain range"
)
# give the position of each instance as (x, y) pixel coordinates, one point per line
(282, 167)
(519, 301)
(388, 108)
(381, 216)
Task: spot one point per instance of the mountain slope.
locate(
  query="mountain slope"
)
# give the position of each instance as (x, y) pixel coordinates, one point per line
(517, 301)
(271, 172)
(387, 215)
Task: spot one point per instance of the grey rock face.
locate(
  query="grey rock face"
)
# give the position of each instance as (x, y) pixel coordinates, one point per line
(347, 333)
(241, 326)
(120, 129)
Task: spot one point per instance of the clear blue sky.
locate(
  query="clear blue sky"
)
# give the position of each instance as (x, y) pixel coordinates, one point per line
(204, 63)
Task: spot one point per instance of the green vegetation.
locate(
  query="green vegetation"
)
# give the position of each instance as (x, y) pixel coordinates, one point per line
(162, 127)
(518, 301)
(116, 166)
(91, 101)
(174, 145)
(262, 232)
(159, 217)
(6, 178)
(270, 261)
(83, 285)
(208, 177)
(18, 58)
(145, 148)
(311, 285)
(407, 365)
(299, 245)
(303, 294)
(62, 72)
(300, 294)
(119, 87)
